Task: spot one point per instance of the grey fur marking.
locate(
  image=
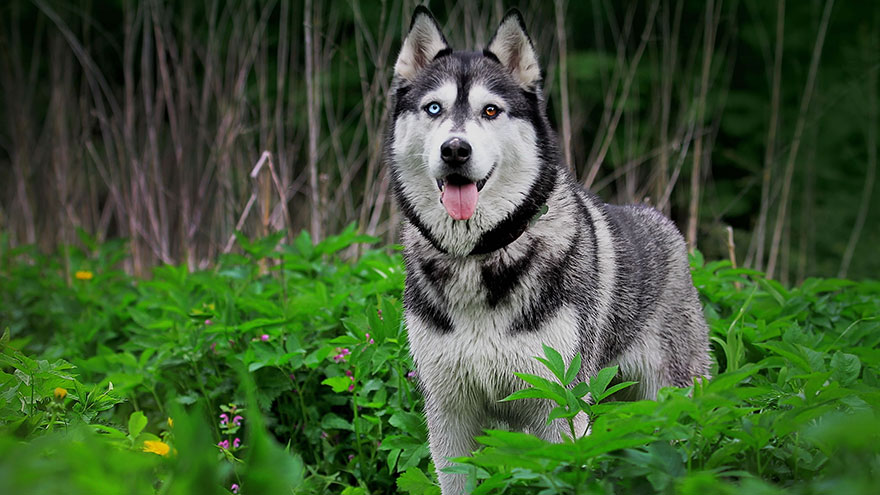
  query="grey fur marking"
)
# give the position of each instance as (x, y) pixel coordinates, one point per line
(483, 294)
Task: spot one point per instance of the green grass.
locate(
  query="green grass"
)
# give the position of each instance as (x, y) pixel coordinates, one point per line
(309, 350)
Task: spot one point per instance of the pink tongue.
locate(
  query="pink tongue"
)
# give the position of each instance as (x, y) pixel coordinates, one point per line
(460, 201)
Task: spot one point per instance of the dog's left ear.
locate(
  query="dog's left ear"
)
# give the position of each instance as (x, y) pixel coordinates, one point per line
(512, 47)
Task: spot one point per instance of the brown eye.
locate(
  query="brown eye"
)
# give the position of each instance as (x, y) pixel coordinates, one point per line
(491, 111)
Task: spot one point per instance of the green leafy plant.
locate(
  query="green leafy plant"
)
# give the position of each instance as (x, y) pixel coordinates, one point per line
(310, 342)
(568, 396)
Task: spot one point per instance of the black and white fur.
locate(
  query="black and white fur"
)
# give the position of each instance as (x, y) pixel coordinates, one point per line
(483, 294)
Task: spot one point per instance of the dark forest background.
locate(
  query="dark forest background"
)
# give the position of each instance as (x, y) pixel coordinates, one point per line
(752, 123)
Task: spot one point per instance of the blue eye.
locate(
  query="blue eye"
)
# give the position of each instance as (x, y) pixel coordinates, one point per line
(433, 109)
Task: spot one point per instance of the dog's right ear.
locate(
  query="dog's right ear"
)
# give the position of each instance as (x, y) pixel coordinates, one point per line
(423, 43)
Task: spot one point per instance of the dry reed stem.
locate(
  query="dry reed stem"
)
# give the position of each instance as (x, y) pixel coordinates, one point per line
(871, 166)
(615, 119)
(709, 29)
(770, 148)
(563, 82)
(796, 140)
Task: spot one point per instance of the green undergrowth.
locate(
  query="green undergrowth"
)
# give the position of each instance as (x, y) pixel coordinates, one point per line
(285, 369)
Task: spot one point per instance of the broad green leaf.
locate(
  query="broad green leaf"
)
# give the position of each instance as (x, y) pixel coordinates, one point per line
(845, 367)
(403, 442)
(410, 422)
(333, 422)
(552, 390)
(554, 361)
(111, 432)
(338, 383)
(415, 482)
(136, 423)
(316, 357)
(529, 393)
(561, 412)
(600, 382)
(573, 369)
(580, 389)
(536, 381)
(614, 388)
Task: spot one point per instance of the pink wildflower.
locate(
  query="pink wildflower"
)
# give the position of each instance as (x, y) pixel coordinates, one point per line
(236, 443)
(224, 419)
(234, 488)
(341, 354)
(208, 322)
(264, 337)
(224, 444)
(237, 420)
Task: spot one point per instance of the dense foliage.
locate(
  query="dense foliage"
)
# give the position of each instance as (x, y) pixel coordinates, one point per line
(286, 370)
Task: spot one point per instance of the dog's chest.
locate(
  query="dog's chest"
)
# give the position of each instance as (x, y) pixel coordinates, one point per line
(477, 358)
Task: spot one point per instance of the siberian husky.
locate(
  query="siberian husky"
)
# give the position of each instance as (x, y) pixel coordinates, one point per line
(505, 251)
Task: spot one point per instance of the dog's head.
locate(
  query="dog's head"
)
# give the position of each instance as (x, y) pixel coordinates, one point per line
(472, 153)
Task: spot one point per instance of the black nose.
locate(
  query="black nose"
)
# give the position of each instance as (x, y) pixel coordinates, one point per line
(455, 151)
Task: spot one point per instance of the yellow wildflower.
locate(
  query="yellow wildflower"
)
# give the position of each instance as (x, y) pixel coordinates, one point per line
(170, 423)
(156, 447)
(84, 275)
(60, 393)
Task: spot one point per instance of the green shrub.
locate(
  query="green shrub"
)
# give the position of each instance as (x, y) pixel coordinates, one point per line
(285, 369)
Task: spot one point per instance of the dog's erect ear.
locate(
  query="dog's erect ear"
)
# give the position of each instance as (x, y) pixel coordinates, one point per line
(421, 45)
(512, 47)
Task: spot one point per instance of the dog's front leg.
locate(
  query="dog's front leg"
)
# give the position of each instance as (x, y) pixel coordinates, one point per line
(451, 432)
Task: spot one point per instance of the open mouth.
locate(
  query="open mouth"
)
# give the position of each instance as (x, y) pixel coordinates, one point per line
(459, 194)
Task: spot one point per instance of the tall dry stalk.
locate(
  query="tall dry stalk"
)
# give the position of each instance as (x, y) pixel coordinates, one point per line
(870, 48)
(620, 103)
(669, 36)
(312, 103)
(709, 30)
(781, 212)
(770, 148)
(18, 99)
(559, 7)
(375, 49)
(807, 235)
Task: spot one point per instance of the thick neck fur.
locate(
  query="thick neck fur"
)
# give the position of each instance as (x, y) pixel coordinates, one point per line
(496, 223)
(522, 280)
